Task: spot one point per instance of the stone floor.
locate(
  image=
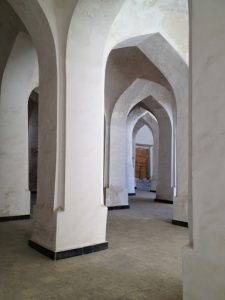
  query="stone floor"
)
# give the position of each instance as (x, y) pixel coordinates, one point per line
(143, 260)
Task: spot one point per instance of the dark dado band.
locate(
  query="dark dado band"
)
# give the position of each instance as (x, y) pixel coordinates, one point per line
(68, 253)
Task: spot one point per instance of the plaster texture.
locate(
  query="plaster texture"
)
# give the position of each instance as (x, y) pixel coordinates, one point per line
(204, 259)
(87, 36)
(11, 25)
(169, 17)
(124, 66)
(19, 79)
(144, 136)
(164, 187)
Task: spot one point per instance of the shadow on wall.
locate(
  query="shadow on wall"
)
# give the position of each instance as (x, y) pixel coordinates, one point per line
(33, 140)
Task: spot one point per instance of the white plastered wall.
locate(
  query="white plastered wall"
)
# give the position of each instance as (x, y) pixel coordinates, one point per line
(144, 136)
(204, 259)
(8, 33)
(117, 194)
(19, 79)
(164, 189)
(169, 17)
(84, 206)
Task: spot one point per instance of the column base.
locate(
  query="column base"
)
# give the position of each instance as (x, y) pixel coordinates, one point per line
(131, 194)
(180, 223)
(164, 193)
(164, 201)
(116, 196)
(14, 218)
(68, 253)
(119, 207)
(153, 185)
(180, 209)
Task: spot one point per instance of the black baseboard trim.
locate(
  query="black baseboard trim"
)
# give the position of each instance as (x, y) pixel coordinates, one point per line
(164, 201)
(68, 253)
(131, 194)
(118, 207)
(14, 218)
(180, 223)
(152, 191)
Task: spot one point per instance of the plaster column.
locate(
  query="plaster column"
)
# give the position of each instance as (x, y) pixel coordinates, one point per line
(106, 152)
(154, 150)
(19, 79)
(164, 190)
(132, 118)
(130, 167)
(151, 161)
(50, 198)
(204, 258)
(82, 222)
(160, 52)
(117, 193)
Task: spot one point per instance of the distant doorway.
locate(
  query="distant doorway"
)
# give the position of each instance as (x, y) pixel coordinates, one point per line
(142, 162)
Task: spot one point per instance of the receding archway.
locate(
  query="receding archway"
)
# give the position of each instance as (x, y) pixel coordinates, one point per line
(150, 120)
(164, 57)
(136, 119)
(19, 79)
(116, 194)
(143, 158)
